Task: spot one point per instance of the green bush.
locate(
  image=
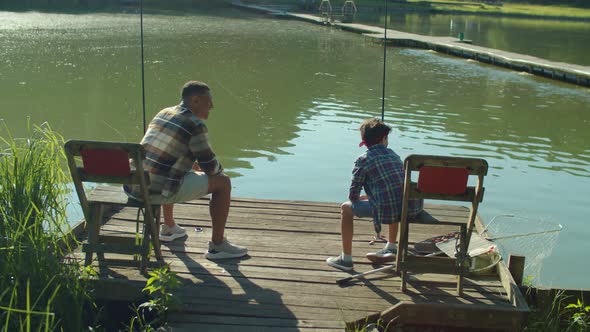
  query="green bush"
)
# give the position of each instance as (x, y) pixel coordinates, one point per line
(38, 291)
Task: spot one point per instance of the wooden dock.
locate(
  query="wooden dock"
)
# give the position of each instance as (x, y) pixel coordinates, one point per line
(566, 72)
(284, 283)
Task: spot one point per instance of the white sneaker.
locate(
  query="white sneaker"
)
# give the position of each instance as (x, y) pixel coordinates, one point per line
(168, 233)
(384, 255)
(339, 263)
(225, 250)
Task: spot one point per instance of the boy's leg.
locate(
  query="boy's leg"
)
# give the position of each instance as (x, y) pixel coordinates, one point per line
(393, 229)
(388, 253)
(347, 227)
(344, 260)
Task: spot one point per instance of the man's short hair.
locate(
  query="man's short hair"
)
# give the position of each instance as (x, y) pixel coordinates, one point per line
(194, 88)
(373, 131)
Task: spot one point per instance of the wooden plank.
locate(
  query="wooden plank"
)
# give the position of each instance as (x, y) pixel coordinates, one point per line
(453, 315)
(428, 285)
(181, 319)
(443, 265)
(516, 268)
(191, 327)
(512, 290)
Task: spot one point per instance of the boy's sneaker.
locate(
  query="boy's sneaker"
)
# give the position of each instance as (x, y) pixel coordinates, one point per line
(225, 250)
(168, 233)
(339, 263)
(384, 255)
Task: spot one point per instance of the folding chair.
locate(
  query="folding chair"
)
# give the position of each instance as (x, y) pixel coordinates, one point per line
(440, 178)
(109, 162)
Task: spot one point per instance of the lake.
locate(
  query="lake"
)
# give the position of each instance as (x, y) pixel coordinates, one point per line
(289, 98)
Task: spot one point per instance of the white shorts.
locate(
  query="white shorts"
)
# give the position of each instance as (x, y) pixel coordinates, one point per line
(194, 185)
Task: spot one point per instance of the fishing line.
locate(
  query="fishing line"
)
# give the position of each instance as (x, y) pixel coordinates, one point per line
(384, 61)
(142, 64)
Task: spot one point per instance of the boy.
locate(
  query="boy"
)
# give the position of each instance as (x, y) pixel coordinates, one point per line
(380, 172)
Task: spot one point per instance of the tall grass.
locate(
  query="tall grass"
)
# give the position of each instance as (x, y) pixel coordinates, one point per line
(563, 313)
(37, 291)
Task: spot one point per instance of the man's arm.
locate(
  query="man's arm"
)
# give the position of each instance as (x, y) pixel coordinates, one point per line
(201, 150)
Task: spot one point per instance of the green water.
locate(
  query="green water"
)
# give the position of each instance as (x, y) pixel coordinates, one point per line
(289, 97)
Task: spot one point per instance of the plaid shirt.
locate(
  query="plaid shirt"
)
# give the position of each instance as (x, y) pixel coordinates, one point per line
(380, 172)
(174, 141)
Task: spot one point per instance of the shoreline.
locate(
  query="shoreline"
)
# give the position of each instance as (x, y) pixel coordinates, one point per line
(421, 7)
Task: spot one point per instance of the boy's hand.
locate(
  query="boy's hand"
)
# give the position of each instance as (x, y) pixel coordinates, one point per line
(196, 167)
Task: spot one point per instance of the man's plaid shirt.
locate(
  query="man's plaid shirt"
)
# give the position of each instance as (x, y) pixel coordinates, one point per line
(380, 172)
(174, 141)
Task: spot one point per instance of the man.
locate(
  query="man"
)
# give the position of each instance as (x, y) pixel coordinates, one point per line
(183, 167)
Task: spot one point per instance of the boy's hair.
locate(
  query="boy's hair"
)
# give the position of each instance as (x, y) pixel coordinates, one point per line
(373, 131)
(192, 88)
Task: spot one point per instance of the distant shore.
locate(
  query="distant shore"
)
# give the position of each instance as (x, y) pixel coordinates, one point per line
(558, 11)
(496, 8)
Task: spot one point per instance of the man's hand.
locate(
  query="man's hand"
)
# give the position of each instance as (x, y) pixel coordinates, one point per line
(196, 167)
(363, 198)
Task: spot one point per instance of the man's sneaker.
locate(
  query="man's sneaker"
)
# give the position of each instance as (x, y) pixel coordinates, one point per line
(382, 256)
(339, 263)
(168, 233)
(225, 250)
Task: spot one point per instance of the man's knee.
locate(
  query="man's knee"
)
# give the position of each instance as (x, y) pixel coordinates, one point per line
(219, 183)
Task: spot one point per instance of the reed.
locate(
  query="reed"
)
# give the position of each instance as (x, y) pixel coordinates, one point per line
(40, 292)
(562, 313)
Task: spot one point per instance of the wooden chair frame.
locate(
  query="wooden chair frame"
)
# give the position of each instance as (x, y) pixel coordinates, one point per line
(458, 265)
(93, 203)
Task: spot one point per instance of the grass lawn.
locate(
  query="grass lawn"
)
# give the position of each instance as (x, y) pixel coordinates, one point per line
(553, 11)
(510, 8)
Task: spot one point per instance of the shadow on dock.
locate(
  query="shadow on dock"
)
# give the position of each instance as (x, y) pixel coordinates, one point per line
(284, 284)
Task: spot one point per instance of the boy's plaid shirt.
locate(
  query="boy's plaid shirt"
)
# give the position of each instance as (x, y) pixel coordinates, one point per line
(380, 172)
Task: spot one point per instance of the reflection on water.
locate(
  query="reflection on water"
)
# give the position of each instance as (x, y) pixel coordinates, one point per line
(289, 98)
(557, 40)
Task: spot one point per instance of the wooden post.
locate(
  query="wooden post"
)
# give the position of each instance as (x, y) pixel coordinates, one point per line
(516, 268)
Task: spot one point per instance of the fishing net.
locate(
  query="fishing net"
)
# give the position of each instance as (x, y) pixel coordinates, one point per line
(532, 238)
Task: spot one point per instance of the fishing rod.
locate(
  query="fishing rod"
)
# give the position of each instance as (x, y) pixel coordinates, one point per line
(142, 64)
(384, 61)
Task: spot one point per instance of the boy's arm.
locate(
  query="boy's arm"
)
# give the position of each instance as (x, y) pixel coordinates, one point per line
(356, 184)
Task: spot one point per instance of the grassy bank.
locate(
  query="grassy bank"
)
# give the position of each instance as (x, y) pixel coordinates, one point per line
(507, 9)
(555, 11)
(37, 291)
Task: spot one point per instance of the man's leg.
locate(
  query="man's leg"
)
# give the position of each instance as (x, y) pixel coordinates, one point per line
(219, 248)
(169, 231)
(220, 190)
(168, 210)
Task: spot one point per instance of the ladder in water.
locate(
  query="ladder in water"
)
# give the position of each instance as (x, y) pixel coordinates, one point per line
(348, 11)
(326, 11)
